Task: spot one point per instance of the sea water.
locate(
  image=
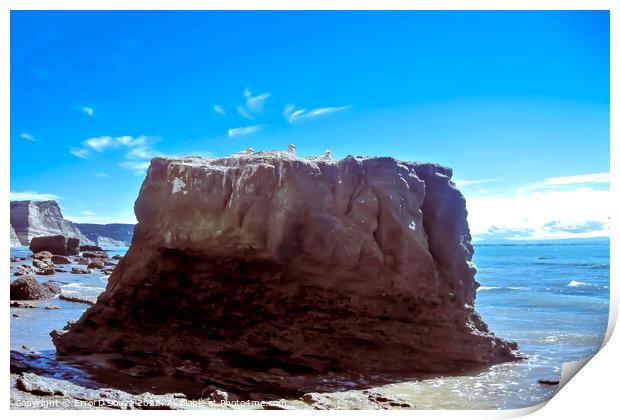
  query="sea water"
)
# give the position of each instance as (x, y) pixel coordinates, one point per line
(552, 299)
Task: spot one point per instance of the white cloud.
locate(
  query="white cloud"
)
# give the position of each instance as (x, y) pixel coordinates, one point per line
(88, 213)
(32, 195)
(88, 111)
(81, 153)
(569, 181)
(255, 104)
(27, 136)
(243, 131)
(99, 144)
(574, 212)
(292, 114)
(466, 182)
(141, 152)
(137, 167)
(138, 149)
(245, 114)
(219, 109)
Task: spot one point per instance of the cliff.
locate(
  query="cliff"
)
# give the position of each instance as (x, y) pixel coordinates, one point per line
(250, 269)
(14, 239)
(30, 219)
(110, 235)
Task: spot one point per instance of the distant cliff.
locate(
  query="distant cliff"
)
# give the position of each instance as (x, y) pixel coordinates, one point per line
(110, 235)
(30, 219)
(14, 239)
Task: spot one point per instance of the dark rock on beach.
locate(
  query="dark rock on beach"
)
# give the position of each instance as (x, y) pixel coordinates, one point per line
(90, 248)
(307, 266)
(42, 256)
(22, 305)
(26, 287)
(71, 396)
(76, 299)
(60, 259)
(95, 254)
(79, 270)
(56, 244)
(97, 263)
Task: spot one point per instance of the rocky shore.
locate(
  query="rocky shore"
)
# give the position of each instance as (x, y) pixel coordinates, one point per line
(259, 275)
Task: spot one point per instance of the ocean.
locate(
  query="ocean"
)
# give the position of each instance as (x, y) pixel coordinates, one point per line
(551, 298)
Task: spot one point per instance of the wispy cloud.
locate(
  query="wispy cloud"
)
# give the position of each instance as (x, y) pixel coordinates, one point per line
(81, 153)
(137, 167)
(32, 195)
(292, 114)
(468, 182)
(245, 114)
(141, 152)
(88, 111)
(564, 182)
(244, 131)
(88, 213)
(254, 105)
(219, 109)
(27, 136)
(596, 178)
(138, 149)
(102, 143)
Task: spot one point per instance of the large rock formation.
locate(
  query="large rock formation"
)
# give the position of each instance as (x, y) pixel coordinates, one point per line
(30, 219)
(250, 268)
(110, 235)
(56, 244)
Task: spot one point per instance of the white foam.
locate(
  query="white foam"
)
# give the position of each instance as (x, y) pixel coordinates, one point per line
(575, 283)
(482, 288)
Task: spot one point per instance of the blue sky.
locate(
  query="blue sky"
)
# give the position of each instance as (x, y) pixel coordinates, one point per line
(516, 102)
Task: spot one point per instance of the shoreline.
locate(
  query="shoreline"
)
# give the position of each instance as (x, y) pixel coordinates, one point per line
(440, 392)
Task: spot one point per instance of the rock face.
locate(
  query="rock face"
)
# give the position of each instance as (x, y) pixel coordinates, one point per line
(110, 235)
(56, 244)
(30, 219)
(245, 266)
(14, 239)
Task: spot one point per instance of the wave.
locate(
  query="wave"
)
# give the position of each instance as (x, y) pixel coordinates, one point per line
(483, 288)
(575, 283)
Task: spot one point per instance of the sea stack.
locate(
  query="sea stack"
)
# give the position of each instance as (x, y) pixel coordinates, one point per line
(251, 266)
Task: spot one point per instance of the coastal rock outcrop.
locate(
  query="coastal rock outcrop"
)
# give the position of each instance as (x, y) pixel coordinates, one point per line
(26, 287)
(56, 244)
(30, 219)
(248, 268)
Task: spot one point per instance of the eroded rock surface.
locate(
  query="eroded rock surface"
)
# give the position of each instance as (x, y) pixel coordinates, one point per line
(246, 270)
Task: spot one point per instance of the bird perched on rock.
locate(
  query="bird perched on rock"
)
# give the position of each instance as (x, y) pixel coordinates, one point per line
(292, 148)
(247, 151)
(328, 154)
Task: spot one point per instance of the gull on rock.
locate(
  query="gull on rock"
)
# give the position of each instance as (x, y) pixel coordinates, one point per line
(247, 151)
(328, 154)
(292, 148)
